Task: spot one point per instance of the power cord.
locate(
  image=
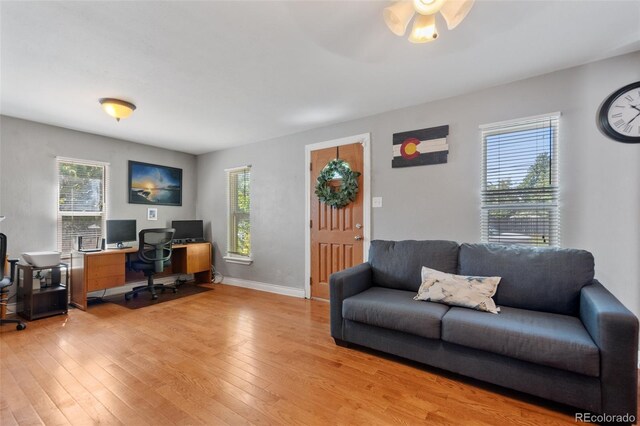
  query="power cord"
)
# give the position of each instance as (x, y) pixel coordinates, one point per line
(97, 299)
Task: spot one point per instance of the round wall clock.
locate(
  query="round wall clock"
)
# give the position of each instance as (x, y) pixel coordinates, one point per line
(619, 115)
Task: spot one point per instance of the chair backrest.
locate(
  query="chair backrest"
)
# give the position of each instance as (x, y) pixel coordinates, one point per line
(155, 246)
(3, 254)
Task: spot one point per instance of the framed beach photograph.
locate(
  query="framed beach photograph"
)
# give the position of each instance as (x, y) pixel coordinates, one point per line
(152, 213)
(154, 184)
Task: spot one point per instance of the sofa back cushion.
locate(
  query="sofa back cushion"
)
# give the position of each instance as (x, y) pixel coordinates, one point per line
(397, 264)
(540, 279)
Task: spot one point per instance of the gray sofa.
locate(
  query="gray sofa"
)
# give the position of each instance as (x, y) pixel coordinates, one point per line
(560, 334)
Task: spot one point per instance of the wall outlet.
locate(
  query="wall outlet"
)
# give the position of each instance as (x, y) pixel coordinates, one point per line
(376, 202)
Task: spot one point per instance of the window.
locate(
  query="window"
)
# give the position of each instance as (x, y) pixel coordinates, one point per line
(239, 201)
(520, 182)
(81, 203)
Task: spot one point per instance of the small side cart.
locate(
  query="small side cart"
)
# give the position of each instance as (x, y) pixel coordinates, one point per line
(42, 300)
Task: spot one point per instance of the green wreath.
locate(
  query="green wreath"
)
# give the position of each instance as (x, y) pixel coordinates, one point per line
(348, 188)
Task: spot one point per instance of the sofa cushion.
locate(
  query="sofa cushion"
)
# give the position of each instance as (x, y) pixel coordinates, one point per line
(395, 310)
(397, 264)
(540, 279)
(559, 341)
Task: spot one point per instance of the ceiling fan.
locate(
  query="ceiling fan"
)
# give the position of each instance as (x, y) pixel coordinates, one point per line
(398, 15)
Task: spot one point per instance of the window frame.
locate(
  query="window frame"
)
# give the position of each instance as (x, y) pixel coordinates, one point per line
(232, 257)
(552, 207)
(60, 214)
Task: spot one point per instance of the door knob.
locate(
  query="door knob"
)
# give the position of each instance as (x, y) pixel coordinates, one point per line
(358, 237)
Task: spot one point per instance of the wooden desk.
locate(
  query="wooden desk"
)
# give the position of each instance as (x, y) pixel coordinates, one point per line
(107, 269)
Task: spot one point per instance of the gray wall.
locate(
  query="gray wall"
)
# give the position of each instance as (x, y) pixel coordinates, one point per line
(28, 179)
(600, 178)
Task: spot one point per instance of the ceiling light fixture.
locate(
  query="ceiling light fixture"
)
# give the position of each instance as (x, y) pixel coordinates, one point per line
(117, 108)
(424, 29)
(427, 7)
(398, 15)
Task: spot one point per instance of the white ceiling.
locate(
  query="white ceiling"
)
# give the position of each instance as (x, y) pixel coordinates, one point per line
(212, 75)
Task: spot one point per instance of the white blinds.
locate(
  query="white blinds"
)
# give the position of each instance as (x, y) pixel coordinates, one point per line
(82, 203)
(239, 234)
(520, 182)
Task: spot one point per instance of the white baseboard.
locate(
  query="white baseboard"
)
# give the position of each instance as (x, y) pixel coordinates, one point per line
(269, 288)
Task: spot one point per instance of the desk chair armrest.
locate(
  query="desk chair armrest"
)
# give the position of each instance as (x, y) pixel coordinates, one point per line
(12, 270)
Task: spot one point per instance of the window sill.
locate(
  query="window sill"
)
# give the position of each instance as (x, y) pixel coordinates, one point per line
(240, 260)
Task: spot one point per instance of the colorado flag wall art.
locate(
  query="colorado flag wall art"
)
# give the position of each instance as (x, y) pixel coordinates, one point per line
(420, 147)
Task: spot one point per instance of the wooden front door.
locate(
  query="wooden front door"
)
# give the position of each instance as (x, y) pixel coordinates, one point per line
(336, 234)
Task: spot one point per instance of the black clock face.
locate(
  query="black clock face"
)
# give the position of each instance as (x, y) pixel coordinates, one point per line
(619, 116)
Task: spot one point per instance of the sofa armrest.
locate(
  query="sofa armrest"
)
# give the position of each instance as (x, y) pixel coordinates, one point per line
(343, 284)
(615, 330)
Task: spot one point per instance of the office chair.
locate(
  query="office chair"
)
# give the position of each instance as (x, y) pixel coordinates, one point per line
(154, 254)
(5, 282)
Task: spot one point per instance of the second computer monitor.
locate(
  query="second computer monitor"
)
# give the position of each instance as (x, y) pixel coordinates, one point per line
(188, 231)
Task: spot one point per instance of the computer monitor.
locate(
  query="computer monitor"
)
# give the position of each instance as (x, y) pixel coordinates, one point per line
(121, 231)
(188, 231)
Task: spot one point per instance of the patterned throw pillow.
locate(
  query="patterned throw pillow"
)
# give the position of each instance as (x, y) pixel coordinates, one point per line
(459, 290)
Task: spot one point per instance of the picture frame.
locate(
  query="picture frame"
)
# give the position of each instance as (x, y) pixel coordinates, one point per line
(152, 213)
(154, 184)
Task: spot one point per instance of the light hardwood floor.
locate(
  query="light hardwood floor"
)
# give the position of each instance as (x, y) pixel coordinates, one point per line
(229, 356)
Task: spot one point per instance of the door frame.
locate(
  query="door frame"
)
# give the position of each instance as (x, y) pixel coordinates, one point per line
(365, 140)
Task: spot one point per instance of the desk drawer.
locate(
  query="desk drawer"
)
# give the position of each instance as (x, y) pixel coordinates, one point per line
(105, 259)
(198, 258)
(100, 283)
(105, 270)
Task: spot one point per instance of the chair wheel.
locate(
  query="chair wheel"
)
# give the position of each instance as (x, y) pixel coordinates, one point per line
(21, 326)
(154, 297)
